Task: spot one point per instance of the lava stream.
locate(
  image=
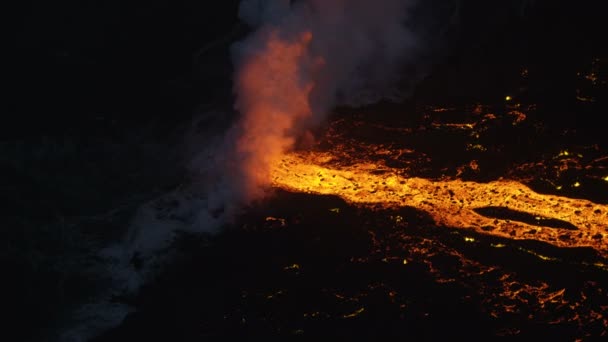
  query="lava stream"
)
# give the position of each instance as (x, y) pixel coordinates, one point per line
(451, 203)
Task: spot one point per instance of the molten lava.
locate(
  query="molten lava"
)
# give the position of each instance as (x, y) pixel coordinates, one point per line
(452, 203)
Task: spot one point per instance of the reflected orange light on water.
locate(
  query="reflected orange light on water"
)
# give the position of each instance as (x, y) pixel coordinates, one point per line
(451, 203)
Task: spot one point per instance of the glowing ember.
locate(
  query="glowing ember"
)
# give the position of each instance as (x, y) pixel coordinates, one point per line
(452, 203)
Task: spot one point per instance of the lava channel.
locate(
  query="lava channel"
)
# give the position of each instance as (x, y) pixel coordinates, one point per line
(452, 203)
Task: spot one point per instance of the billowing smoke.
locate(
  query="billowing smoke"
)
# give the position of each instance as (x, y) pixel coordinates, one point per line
(303, 58)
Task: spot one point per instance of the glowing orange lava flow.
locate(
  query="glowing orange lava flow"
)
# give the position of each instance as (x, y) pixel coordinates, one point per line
(450, 203)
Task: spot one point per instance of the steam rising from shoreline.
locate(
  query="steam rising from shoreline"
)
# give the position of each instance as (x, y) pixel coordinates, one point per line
(302, 59)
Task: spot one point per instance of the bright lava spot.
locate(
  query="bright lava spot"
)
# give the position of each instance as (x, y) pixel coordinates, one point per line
(450, 203)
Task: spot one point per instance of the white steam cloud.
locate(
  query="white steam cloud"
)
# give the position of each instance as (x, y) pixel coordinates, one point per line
(303, 58)
(364, 44)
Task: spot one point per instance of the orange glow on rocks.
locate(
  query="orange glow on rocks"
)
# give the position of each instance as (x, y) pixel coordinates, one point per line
(273, 98)
(452, 203)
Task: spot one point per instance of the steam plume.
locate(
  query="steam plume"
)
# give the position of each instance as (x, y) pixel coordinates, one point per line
(303, 58)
